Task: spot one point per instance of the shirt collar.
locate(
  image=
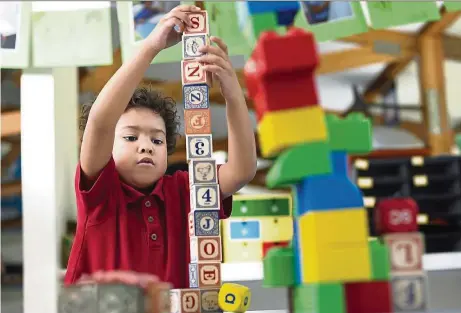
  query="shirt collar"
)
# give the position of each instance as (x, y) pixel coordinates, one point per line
(133, 195)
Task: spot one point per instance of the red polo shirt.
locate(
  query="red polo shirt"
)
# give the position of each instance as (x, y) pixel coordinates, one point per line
(119, 228)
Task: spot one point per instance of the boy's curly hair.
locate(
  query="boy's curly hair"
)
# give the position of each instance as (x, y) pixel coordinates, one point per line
(152, 100)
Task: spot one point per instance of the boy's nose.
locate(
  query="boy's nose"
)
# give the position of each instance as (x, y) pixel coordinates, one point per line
(144, 150)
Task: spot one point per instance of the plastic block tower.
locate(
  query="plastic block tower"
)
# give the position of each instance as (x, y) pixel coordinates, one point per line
(396, 222)
(330, 247)
(257, 223)
(203, 294)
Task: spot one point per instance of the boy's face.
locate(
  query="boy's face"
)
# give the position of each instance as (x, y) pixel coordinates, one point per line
(140, 150)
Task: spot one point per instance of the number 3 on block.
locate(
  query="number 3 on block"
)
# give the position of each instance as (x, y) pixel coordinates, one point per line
(199, 147)
(205, 197)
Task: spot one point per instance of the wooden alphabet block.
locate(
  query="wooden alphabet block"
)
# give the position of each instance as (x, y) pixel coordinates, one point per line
(203, 172)
(192, 72)
(185, 301)
(200, 23)
(396, 215)
(406, 252)
(196, 96)
(102, 298)
(409, 293)
(205, 275)
(197, 121)
(199, 146)
(204, 223)
(205, 249)
(210, 301)
(205, 197)
(191, 45)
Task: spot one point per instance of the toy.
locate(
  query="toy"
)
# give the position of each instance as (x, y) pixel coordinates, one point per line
(204, 231)
(331, 264)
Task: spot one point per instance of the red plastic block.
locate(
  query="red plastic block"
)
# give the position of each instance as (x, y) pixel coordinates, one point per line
(276, 53)
(269, 245)
(396, 215)
(368, 297)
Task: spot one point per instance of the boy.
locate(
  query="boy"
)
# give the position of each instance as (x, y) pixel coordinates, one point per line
(132, 217)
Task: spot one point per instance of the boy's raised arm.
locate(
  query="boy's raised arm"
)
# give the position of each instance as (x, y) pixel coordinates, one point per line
(98, 138)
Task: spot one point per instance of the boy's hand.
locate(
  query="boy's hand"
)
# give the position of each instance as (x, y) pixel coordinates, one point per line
(218, 63)
(169, 30)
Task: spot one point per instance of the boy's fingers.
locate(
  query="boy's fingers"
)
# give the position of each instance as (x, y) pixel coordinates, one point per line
(214, 50)
(158, 297)
(181, 16)
(214, 60)
(186, 8)
(220, 44)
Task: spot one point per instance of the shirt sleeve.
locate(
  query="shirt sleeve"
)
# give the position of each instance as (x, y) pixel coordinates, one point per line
(225, 207)
(94, 198)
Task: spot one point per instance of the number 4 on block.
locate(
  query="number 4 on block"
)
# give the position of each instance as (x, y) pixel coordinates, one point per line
(205, 197)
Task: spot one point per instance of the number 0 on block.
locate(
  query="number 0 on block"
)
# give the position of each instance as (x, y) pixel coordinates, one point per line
(205, 197)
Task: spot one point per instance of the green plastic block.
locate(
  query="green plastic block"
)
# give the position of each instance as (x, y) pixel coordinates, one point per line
(278, 267)
(294, 164)
(458, 141)
(259, 23)
(351, 134)
(247, 206)
(380, 264)
(319, 298)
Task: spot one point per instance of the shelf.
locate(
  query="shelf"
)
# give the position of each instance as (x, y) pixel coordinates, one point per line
(254, 270)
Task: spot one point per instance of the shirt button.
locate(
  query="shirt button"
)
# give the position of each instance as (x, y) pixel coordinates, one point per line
(153, 237)
(147, 204)
(150, 219)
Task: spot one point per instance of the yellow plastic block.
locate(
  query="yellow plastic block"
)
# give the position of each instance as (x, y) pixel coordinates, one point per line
(242, 251)
(334, 246)
(279, 130)
(234, 298)
(276, 228)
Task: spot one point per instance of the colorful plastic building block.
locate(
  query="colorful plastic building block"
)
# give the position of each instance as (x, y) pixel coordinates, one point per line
(258, 7)
(279, 130)
(368, 297)
(327, 192)
(328, 237)
(278, 267)
(276, 228)
(351, 134)
(261, 205)
(299, 161)
(340, 162)
(234, 298)
(274, 244)
(380, 265)
(396, 215)
(319, 298)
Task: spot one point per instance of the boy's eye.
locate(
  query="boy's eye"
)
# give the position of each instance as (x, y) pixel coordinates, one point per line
(130, 138)
(157, 141)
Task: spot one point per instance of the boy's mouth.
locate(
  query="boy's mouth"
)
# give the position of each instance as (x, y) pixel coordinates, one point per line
(146, 161)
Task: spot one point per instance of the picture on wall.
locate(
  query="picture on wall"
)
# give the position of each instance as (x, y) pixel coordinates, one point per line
(10, 16)
(318, 12)
(14, 33)
(384, 14)
(452, 5)
(147, 14)
(330, 20)
(137, 19)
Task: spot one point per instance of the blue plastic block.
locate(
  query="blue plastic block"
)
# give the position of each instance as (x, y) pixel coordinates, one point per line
(244, 230)
(327, 192)
(286, 18)
(297, 253)
(255, 7)
(339, 160)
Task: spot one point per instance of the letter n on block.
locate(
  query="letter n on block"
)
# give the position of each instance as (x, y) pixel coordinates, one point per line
(192, 72)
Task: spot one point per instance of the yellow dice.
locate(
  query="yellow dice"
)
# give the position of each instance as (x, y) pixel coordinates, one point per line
(234, 298)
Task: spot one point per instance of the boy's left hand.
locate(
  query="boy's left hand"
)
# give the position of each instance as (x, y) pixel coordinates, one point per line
(217, 62)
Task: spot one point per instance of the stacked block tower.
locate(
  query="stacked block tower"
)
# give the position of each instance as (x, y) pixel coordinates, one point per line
(205, 293)
(205, 240)
(330, 251)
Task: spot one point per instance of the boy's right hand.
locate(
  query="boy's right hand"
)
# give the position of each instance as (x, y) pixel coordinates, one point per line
(169, 30)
